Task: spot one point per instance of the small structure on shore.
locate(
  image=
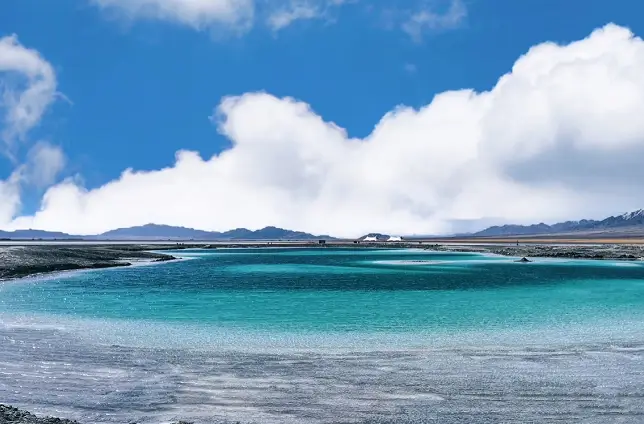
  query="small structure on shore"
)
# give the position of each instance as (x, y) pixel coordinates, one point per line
(394, 238)
(371, 238)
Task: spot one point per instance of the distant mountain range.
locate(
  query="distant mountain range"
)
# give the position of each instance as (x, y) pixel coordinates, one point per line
(632, 222)
(167, 232)
(34, 234)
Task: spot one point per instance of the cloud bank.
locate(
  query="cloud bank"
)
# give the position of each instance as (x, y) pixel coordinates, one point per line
(559, 136)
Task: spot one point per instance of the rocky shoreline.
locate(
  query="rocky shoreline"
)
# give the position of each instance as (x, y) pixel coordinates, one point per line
(28, 260)
(596, 252)
(11, 415)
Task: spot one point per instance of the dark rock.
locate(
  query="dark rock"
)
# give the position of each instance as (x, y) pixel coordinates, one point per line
(165, 259)
(9, 414)
(523, 260)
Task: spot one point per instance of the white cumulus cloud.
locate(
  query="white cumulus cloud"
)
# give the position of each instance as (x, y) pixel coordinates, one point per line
(559, 136)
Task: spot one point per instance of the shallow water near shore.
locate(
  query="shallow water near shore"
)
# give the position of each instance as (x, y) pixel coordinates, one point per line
(329, 335)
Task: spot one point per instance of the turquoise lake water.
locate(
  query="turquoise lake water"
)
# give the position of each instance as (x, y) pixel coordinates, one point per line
(275, 293)
(329, 336)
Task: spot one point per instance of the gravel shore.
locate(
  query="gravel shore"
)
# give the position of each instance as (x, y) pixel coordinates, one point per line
(23, 261)
(11, 415)
(601, 251)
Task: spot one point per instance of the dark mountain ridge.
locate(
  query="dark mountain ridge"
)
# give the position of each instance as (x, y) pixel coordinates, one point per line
(153, 231)
(167, 232)
(631, 221)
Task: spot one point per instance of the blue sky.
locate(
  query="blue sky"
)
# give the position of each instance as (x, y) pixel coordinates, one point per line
(138, 90)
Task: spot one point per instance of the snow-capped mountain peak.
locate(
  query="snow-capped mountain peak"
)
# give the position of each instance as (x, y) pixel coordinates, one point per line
(630, 215)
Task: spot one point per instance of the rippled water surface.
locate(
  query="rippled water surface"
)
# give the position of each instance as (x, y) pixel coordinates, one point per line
(329, 335)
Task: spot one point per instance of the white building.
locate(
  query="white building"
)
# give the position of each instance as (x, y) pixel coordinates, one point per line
(371, 238)
(394, 238)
